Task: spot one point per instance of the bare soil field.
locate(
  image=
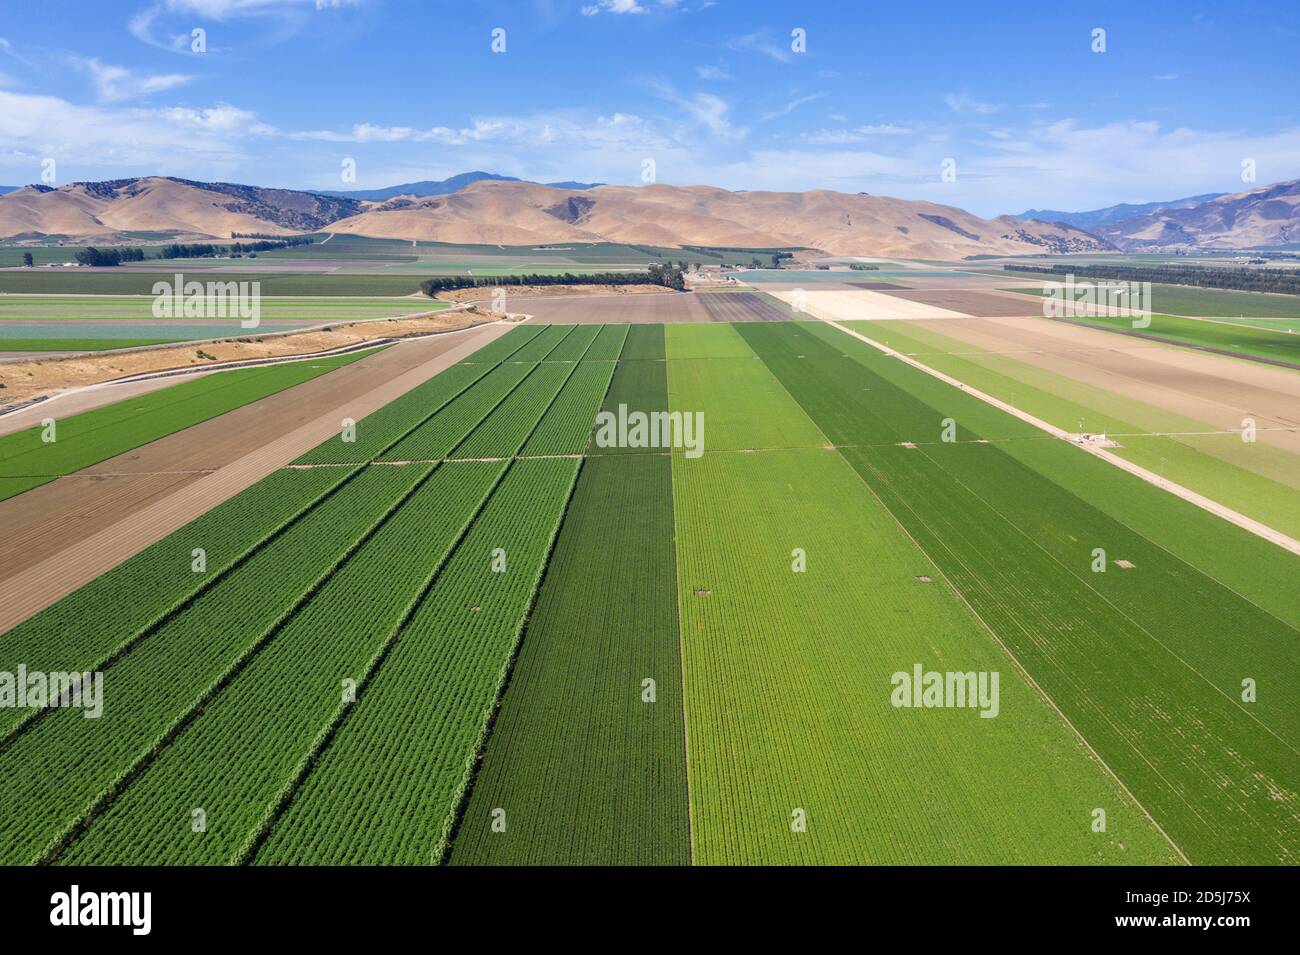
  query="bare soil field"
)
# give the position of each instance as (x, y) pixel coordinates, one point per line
(976, 303)
(745, 307)
(618, 309)
(63, 534)
(23, 380)
(1218, 391)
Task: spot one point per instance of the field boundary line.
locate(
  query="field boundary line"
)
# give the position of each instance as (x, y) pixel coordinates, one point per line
(1249, 524)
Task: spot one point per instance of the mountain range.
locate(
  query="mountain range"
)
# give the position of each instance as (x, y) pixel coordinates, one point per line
(1096, 218)
(484, 208)
(1258, 217)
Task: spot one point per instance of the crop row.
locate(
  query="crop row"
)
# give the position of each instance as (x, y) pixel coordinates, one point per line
(587, 768)
(435, 438)
(1135, 657)
(387, 787)
(97, 621)
(541, 347)
(380, 430)
(608, 344)
(568, 423)
(248, 746)
(510, 423)
(504, 347)
(575, 344)
(53, 773)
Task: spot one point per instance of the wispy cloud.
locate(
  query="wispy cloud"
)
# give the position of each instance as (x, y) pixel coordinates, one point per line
(1165, 77)
(166, 24)
(710, 72)
(860, 134)
(791, 106)
(114, 84)
(963, 102)
(761, 42)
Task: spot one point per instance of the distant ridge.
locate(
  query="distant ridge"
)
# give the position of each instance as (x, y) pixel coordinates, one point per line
(1094, 218)
(443, 187)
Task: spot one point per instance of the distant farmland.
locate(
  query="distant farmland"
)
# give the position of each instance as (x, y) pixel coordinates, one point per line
(465, 632)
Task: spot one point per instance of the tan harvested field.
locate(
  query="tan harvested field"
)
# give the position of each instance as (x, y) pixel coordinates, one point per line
(619, 309)
(23, 380)
(1209, 388)
(61, 535)
(971, 302)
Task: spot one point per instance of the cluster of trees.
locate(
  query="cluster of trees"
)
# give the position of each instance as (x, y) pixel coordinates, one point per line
(203, 250)
(1201, 276)
(108, 257)
(666, 275)
(863, 267)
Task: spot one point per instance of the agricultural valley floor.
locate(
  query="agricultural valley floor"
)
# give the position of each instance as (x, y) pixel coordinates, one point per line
(466, 632)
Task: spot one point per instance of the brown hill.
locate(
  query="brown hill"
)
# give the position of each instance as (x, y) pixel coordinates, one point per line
(835, 222)
(522, 213)
(104, 210)
(1263, 216)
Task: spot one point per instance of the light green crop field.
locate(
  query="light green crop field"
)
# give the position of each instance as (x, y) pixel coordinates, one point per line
(1256, 478)
(53, 308)
(467, 632)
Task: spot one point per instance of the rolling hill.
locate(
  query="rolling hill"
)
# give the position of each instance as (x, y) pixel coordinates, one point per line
(514, 212)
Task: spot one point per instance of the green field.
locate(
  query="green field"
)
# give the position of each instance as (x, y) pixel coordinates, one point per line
(1201, 302)
(28, 460)
(1281, 342)
(472, 636)
(78, 344)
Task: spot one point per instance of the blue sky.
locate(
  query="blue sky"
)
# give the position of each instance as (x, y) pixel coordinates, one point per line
(713, 92)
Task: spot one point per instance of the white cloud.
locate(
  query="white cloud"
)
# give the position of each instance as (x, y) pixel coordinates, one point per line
(963, 103)
(1165, 77)
(709, 72)
(612, 6)
(146, 141)
(116, 83)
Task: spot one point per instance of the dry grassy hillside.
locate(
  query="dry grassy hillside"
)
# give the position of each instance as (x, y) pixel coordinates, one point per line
(521, 213)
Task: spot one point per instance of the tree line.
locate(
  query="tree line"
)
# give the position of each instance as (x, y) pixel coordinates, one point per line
(116, 255)
(1201, 276)
(666, 275)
